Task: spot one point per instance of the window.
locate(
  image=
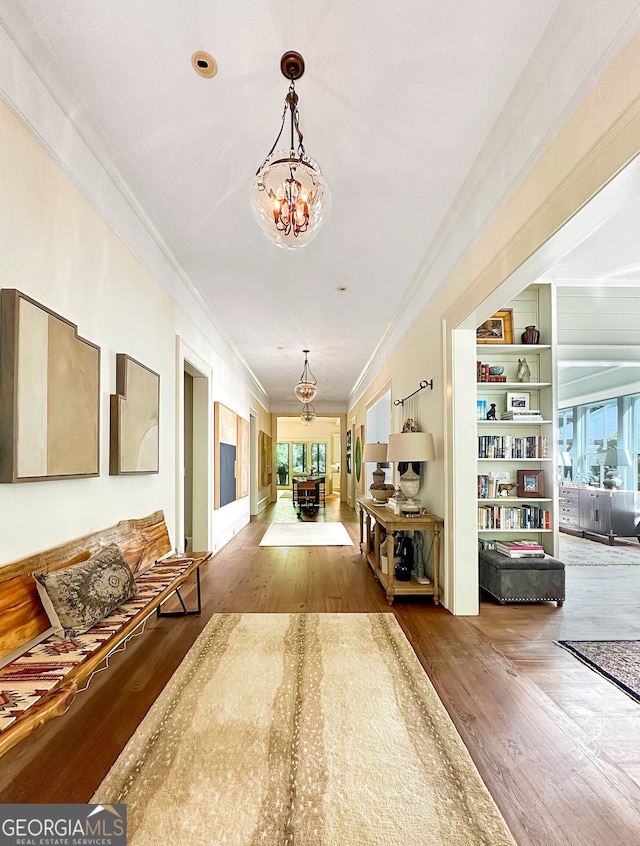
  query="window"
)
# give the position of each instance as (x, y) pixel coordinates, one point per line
(319, 459)
(282, 464)
(299, 463)
(601, 422)
(586, 432)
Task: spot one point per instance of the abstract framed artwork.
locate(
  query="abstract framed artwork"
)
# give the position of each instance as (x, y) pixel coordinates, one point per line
(134, 445)
(49, 394)
(265, 469)
(358, 463)
(226, 448)
(498, 329)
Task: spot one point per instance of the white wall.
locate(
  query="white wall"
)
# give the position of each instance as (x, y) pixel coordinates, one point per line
(57, 249)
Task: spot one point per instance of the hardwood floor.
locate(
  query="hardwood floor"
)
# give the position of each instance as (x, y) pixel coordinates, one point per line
(556, 745)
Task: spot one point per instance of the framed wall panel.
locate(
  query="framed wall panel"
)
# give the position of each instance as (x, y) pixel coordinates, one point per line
(358, 464)
(135, 418)
(225, 462)
(49, 394)
(265, 468)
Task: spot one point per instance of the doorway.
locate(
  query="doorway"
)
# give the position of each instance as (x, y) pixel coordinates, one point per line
(547, 264)
(195, 507)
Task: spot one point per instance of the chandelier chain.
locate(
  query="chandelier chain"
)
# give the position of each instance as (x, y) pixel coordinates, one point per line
(291, 104)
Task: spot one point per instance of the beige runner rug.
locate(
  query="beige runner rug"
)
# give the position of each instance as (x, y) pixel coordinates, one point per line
(301, 729)
(306, 534)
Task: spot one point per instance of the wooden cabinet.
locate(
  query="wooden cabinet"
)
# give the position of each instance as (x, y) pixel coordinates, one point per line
(378, 524)
(597, 511)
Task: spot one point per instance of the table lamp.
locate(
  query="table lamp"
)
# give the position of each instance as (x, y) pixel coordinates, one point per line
(613, 458)
(376, 453)
(410, 447)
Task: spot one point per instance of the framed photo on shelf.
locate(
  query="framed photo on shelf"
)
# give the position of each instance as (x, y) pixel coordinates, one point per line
(518, 400)
(530, 483)
(481, 409)
(497, 329)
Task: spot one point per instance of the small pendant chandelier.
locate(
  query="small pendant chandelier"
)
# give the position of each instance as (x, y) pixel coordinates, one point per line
(307, 387)
(290, 199)
(308, 413)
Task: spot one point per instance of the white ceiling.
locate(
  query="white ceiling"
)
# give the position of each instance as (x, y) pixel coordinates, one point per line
(598, 285)
(397, 102)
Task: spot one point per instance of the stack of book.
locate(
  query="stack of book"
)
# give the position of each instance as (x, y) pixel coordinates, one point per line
(507, 446)
(519, 549)
(513, 517)
(483, 374)
(521, 414)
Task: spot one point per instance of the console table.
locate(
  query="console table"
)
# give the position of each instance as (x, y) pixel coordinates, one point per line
(374, 518)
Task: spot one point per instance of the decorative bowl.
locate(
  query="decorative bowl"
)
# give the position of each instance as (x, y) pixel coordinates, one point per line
(381, 494)
(496, 370)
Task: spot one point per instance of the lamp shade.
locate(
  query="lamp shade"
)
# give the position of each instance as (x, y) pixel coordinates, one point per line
(411, 446)
(617, 457)
(375, 453)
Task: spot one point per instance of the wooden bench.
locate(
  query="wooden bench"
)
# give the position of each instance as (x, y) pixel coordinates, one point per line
(42, 674)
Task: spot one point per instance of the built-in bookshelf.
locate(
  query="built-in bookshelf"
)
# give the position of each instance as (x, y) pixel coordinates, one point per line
(517, 491)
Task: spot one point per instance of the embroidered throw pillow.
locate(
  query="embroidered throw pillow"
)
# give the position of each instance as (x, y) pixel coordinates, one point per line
(77, 597)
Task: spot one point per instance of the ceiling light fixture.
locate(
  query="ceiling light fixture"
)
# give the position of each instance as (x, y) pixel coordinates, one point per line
(307, 387)
(290, 199)
(308, 413)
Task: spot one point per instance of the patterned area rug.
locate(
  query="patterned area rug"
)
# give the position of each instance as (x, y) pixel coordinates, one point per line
(314, 729)
(306, 534)
(616, 660)
(581, 552)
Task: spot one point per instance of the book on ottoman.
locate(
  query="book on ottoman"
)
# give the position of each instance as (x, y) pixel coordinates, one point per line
(520, 549)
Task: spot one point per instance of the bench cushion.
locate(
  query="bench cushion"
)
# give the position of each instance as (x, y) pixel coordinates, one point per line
(521, 579)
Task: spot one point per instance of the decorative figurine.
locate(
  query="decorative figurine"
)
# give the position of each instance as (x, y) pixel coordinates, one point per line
(524, 374)
(491, 414)
(410, 425)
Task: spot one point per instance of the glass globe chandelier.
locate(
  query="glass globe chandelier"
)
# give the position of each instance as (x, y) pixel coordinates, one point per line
(308, 413)
(290, 199)
(307, 387)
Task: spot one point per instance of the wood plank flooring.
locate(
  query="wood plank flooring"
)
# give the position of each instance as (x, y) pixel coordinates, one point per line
(556, 745)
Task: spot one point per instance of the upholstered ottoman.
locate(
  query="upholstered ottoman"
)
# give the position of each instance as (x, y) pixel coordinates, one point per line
(521, 579)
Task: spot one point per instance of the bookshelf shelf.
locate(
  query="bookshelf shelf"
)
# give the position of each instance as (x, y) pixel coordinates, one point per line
(497, 424)
(516, 531)
(511, 386)
(511, 460)
(502, 499)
